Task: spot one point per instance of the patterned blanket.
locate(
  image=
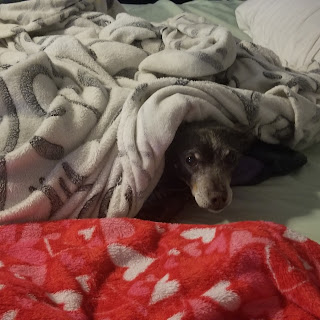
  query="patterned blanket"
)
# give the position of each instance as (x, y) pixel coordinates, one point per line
(130, 269)
(90, 100)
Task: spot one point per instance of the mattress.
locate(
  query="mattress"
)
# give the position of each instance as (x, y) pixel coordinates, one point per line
(292, 200)
(218, 12)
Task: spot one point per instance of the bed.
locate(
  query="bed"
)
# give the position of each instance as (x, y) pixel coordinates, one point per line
(292, 200)
(111, 267)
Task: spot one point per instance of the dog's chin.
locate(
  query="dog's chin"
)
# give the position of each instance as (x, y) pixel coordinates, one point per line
(217, 211)
(214, 211)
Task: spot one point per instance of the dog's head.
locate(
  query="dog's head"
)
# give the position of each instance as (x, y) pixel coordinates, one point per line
(204, 154)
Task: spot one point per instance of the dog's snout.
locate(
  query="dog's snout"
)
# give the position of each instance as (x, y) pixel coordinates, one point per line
(218, 202)
(212, 194)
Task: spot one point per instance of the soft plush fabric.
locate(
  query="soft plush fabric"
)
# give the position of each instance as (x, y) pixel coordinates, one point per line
(90, 103)
(129, 269)
(217, 12)
(293, 199)
(288, 27)
(263, 161)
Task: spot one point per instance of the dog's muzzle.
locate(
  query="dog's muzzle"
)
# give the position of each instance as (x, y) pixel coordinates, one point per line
(211, 198)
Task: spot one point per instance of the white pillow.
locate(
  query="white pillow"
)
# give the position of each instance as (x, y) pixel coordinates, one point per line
(291, 28)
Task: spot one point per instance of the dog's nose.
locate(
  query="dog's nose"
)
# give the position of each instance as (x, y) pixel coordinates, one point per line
(218, 202)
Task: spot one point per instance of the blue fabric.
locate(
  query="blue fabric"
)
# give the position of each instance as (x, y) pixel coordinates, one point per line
(264, 161)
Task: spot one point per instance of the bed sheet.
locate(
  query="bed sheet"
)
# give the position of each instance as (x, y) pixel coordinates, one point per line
(293, 200)
(218, 12)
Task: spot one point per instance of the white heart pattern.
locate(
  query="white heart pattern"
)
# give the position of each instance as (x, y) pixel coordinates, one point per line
(160, 229)
(87, 233)
(177, 316)
(164, 289)
(83, 281)
(228, 299)
(206, 234)
(126, 257)
(70, 299)
(9, 315)
(174, 252)
(53, 236)
(295, 236)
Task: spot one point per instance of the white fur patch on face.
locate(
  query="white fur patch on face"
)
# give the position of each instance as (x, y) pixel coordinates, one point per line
(203, 190)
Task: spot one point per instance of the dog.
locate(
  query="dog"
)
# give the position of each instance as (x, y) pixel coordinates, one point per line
(204, 154)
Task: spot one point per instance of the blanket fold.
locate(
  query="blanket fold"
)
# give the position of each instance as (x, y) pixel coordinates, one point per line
(90, 99)
(133, 269)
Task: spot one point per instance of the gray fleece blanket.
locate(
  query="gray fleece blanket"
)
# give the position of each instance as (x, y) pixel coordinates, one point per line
(91, 97)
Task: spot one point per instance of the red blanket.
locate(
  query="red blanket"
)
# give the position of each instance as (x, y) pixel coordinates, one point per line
(132, 269)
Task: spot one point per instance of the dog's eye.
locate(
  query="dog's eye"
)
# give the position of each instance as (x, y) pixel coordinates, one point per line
(191, 160)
